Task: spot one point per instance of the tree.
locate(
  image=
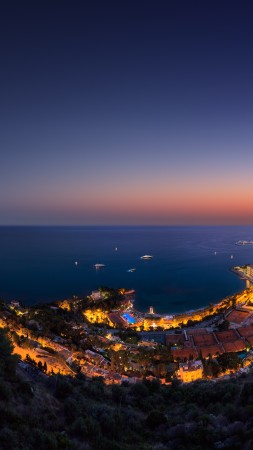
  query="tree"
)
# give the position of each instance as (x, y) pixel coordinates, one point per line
(8, 362)
(215, 369)
(229, 361)
(118, 394)
(155, 419)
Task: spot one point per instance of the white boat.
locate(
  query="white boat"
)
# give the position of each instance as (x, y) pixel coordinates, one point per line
(131, 270)
(244, 243)
(99, 266)
(76, 263)
(146, 257)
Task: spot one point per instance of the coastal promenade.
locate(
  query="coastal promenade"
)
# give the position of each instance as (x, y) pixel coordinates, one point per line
(208, 313)
(126, 316)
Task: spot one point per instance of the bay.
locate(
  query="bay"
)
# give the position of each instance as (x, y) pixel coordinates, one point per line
(190, 266)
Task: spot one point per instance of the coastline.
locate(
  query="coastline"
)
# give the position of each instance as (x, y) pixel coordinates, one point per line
(199, 315)
(170, 320)
(185, 273)
(88, 334)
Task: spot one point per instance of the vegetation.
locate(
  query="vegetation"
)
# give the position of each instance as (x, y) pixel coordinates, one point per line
(57, 412)
(45, 409)
(110, 299)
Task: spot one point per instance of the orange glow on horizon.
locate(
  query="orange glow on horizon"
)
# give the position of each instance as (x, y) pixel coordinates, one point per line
(161, 203)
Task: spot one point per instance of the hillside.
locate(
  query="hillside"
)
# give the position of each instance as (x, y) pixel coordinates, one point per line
(60, 412)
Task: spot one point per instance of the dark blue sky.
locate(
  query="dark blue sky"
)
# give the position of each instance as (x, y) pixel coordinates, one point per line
(126, 112)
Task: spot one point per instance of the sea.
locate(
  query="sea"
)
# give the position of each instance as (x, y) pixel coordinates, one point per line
(190, 268)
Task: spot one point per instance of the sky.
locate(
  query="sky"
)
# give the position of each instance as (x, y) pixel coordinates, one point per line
(126, 112)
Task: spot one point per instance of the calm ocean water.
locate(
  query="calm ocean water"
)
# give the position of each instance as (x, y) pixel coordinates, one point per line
(38, 263)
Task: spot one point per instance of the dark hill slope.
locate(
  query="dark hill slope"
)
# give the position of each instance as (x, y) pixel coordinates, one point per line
(65, 413)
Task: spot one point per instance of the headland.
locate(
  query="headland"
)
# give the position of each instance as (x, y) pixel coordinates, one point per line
(104, 335)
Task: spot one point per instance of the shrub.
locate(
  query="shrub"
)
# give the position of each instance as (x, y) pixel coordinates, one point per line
(63, 388)
(42, 440)
(86, 427)
(5, 391)
(118, 394)
(8, 439)
(139, 390)
(155, 419)
(25, 389)
(71, 409)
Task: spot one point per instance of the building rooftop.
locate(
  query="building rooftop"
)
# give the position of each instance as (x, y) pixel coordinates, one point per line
(246, 331)
(237, 316)
(227, 336)
(191, 366)
(204, 339)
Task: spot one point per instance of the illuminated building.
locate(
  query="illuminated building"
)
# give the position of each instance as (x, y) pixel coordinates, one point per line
(190, 371)
(249, 271)
(96, 295)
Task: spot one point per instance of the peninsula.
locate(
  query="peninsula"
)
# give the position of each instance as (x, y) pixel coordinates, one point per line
(103, 335)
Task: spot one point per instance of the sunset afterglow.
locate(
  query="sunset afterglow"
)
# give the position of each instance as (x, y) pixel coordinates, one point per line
(104, 126)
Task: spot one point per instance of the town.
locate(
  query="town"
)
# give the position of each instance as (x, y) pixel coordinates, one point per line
(103, 336)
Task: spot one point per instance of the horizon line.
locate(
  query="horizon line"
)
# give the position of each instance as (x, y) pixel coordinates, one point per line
(126, 225)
